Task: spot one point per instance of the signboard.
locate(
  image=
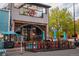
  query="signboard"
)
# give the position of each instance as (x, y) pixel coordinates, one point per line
(55, 35)
(65, 36)
(43, 35)
(31, 12)
(4, 20)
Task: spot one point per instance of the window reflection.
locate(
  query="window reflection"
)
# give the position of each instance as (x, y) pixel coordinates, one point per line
(32, 10)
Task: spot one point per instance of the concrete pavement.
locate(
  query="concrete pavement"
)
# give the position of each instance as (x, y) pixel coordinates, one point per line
(68, 52)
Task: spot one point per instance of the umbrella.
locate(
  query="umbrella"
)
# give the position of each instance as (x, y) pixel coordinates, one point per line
(10, 33)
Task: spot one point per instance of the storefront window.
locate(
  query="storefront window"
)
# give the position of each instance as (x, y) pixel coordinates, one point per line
(32, 10)
(40, 8)
(39, 14)
(44, 10)
(22, 11)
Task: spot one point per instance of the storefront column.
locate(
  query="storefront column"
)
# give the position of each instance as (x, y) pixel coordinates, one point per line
(13, 26)
(47, 36)
(22, 31)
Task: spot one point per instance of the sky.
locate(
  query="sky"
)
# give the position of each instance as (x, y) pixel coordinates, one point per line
(69, 6)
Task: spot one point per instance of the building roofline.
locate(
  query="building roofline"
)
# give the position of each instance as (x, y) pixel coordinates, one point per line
(39, 4)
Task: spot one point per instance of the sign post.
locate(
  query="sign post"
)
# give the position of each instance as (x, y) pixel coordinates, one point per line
(55, 33)
(21, 44)
(65, 36)
(43, 35)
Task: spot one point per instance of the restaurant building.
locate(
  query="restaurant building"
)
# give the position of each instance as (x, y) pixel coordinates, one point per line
(29, 19)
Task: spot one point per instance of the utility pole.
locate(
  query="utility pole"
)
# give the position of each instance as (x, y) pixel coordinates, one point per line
(74, 20)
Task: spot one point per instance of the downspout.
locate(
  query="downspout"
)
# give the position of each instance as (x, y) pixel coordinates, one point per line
(10, 16)
(10, 8)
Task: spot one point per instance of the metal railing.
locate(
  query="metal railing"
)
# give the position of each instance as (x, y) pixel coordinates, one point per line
(46, 45)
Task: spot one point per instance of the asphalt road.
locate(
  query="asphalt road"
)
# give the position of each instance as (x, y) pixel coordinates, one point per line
(68, 52)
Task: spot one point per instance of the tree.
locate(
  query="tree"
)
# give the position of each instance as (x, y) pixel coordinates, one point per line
(77, 25)
(60, 19)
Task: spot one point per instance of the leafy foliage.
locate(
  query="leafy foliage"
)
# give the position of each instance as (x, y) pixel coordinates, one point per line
(61, 20)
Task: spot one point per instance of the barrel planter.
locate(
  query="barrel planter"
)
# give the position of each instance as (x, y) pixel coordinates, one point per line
(73, 44)
(56, 46)
(61, 44)
(53, 45)
(43, 45)
(35, 46)
(70, 44)
(30, 45)
(39, 45)
(66, 43)
(17, 44)
(78, 42)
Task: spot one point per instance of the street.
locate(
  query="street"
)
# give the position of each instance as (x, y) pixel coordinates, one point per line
(67, 52)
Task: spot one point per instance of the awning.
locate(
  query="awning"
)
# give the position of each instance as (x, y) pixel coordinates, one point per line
(8, 33)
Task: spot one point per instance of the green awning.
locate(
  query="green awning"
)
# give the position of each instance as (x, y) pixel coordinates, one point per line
(8, 33)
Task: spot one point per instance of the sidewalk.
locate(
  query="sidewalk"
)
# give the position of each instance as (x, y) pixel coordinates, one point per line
(68, 52)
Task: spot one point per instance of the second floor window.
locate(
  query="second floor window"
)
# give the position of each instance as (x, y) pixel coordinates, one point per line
(32, 10)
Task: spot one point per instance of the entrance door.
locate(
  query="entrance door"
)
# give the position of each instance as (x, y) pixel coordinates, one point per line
(32, 32)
